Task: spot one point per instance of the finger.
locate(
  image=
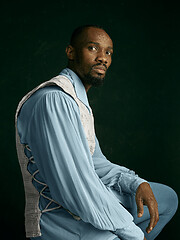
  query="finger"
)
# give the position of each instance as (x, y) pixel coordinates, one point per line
(151, 224)
(154, 218)
(152, 213)
(157, 217)
(140, 208)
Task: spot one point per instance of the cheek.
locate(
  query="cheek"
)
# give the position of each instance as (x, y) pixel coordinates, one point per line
(85, 61)
(88, 57)
(109, 62)
(87, 64)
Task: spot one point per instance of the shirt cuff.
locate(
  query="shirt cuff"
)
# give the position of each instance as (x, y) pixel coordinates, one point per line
(130, 232)
(128, 183)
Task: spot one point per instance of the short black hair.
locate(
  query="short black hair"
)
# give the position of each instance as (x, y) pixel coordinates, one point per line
(77, 32)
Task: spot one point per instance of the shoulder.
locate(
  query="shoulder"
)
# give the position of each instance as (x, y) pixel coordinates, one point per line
(49, 97)
(54, 97)
(48, 94)
(51, 92)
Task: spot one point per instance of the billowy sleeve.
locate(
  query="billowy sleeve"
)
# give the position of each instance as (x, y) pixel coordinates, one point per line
(61, 152)
(113, 175)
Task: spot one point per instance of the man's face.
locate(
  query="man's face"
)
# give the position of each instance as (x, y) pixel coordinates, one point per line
(93, 56)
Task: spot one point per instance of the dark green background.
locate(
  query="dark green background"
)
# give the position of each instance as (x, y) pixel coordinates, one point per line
(137, 111)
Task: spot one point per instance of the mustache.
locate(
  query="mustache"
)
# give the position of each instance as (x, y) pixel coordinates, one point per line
(100, 64)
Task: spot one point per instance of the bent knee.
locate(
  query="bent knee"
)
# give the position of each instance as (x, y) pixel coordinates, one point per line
(173, 201)
(169, 200)
(166, 197)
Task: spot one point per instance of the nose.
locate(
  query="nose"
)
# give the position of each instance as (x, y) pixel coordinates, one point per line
(102, 58)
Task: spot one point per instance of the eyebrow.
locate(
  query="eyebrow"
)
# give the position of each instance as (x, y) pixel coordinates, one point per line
(96, 43)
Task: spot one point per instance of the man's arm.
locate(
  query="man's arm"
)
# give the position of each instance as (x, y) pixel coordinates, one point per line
(113, 175)
(61, 152)
(123, 179)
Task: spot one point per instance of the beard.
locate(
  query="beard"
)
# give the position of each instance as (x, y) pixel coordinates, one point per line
(93, 81)
(89, 79)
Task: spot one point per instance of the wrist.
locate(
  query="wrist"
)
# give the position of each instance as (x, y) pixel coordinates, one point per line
(137, 183)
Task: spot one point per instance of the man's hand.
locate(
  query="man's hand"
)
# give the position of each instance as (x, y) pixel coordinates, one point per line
(145, 196)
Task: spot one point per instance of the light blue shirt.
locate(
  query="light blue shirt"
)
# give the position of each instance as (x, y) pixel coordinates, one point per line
(49, 122)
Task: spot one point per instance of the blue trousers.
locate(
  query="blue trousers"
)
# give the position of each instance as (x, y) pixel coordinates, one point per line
(167, 205)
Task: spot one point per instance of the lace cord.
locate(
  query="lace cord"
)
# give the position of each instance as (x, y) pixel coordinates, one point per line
(46, 209)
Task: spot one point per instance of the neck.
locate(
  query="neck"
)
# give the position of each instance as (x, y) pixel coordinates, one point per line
(86, 86)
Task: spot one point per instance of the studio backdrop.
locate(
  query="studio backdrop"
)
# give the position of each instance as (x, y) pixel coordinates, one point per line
(137, 111)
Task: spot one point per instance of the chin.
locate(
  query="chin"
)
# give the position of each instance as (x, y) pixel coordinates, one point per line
(99, 76)
(97, 80)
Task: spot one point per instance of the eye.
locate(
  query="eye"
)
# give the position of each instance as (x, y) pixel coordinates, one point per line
(109, 53)
(92, 48)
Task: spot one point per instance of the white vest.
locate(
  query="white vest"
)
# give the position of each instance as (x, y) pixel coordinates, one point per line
(32, 211)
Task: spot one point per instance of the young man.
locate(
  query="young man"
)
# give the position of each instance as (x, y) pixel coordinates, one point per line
(72, 190)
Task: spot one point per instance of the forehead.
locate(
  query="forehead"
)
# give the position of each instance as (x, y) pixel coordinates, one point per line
(92, 34)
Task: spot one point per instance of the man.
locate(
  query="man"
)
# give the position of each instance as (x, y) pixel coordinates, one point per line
(72, 190)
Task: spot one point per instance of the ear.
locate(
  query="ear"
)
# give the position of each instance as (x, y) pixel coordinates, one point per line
(70, 51)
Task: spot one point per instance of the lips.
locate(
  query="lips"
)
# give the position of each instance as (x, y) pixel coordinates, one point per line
(100, 68)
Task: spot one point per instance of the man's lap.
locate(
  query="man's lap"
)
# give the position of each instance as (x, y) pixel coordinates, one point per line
(59, 224)
(75, 230)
